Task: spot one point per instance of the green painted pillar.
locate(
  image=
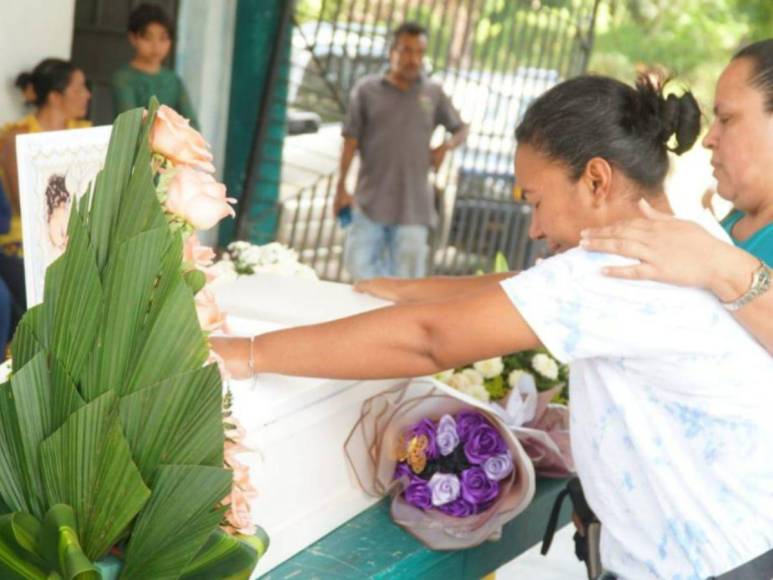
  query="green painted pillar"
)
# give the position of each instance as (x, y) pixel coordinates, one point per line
(257, 24)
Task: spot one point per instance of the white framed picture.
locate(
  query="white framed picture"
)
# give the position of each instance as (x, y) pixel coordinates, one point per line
(55, 170)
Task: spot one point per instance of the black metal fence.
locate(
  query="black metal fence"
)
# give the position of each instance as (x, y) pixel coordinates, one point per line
(493, 57)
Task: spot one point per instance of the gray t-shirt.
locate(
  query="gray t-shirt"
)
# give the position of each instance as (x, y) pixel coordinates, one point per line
(393, 129)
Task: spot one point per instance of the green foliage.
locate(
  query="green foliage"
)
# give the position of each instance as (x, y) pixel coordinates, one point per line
(690, 40)
(112, 428)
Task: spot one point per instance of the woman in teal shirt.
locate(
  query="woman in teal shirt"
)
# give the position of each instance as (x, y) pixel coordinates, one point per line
(150, 33)
(680, 252)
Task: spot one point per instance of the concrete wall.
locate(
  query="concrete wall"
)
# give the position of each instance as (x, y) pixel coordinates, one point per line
(31, 31)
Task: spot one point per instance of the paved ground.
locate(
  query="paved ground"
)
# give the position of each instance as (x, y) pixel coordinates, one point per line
(559, 564)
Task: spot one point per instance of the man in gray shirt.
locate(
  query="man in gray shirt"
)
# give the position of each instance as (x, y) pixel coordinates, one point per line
(390, 121)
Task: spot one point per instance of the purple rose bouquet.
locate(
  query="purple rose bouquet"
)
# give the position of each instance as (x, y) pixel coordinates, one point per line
(454, 465)
(455, 472)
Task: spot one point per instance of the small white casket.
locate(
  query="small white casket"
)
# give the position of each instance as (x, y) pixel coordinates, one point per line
(297, 426)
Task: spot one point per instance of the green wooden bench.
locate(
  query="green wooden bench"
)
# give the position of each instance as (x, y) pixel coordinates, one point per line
(370, 545)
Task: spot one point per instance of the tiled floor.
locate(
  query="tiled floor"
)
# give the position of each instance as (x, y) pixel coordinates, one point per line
(559, 564)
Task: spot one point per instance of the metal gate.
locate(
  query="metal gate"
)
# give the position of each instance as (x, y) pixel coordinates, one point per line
(493, 57)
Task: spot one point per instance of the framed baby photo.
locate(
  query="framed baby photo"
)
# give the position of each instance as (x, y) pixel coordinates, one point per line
(55, 170)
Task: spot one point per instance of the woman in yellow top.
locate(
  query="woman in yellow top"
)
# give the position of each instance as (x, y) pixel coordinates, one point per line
(59, 93)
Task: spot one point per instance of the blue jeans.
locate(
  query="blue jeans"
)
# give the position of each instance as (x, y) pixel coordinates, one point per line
(375, 250)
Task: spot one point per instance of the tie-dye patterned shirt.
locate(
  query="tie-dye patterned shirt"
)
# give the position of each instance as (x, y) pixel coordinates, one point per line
(671, 416)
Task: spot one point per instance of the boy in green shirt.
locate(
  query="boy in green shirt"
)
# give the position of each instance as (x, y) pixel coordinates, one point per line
(151, 33)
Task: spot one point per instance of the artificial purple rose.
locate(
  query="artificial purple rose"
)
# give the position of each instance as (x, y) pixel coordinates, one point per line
(466, 422)
(447, 437)
(459, 508)
(418, 494)
(498, 467)
(402, 469)
(483, 443)
(445, 488)
(427, 428)
(477, 488)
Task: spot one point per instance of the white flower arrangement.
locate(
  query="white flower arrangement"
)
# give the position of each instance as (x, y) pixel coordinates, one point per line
(244, 259)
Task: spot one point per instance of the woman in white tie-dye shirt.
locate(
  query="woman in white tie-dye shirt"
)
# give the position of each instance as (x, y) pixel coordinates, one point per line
(671, 398)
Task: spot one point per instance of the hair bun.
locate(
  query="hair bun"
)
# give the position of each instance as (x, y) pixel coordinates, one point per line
(681, 118)
(23, 80)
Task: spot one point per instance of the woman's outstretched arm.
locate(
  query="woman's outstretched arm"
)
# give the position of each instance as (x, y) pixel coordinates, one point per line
(403, 290)
(398, 341)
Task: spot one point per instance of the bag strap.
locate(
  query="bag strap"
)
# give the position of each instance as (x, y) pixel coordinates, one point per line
(553, 521)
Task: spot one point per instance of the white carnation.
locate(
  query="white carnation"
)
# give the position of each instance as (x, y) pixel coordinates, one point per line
(545, 366)
(445, 376)
(459, 381)
(514, 378)
(490, 368)
(473, 376)
(478, 392)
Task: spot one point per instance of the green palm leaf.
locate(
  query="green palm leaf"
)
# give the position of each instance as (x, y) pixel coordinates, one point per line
(130, 274)
(87, 464)
(174, 341)
(59, 545)
(177, 521)
(111, 181)
(73, 297)
(31, 336)
(12, 465)
(18, 548)
(227, 556)
(178, 421)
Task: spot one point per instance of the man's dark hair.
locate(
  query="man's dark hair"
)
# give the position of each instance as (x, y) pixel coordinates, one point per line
(146, 14)
(631, 127)
(761, 55)
(409, 28)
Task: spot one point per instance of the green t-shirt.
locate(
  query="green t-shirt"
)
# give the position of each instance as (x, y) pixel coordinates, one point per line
(760, 244)
(133, 88)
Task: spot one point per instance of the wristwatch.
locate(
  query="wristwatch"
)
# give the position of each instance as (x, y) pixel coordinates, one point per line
(762, 280)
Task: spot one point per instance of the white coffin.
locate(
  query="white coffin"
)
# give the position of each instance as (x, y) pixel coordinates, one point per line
(297, 426)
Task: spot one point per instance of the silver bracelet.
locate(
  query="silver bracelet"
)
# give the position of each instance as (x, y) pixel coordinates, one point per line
(762, 279)
(251, 359)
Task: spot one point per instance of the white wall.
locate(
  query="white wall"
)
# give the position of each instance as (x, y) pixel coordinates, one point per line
(31, 31)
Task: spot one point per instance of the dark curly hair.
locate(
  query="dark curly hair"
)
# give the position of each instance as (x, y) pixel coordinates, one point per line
(56, 193)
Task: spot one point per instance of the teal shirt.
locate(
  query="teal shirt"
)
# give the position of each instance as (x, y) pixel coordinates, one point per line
(133, 88)
(760, 244)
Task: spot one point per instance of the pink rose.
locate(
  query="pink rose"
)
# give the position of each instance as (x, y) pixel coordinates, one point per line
(195, 197)
(209, 313)
(238, 514)
(196, 254)
(172, 136)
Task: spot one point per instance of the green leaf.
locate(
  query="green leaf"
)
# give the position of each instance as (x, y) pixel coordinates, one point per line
(59, 545)
(33, 406)
(18, 548)
(129, 277)
(111, 181)
(31, 336)
(12, 465)
(500, 264)
(87, 464)
(177, 521)
(227, 556)
(195, 279)
(73, 297)
(174, 341)
(178, 421)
